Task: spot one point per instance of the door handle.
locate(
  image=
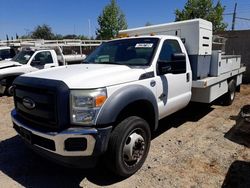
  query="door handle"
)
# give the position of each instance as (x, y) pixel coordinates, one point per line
(188, 77)
(162, 96)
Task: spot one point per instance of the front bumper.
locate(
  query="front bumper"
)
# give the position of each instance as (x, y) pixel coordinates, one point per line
(64, 145)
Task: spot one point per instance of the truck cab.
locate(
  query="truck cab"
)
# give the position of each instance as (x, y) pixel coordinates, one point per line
(109, 106)
(146, 77)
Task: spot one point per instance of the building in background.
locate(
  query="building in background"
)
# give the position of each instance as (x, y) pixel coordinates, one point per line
(238, 43)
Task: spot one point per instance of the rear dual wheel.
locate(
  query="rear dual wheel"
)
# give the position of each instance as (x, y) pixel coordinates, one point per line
(229, 97)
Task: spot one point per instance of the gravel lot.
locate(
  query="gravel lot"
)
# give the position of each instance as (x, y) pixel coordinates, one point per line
(198, 147)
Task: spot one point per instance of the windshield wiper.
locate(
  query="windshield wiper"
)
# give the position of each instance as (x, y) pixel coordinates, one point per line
(111, 63)
(105, 62)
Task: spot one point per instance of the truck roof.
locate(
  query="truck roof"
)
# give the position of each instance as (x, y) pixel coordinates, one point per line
(196, 34)
(36, 48)
(171, 24)
(148, 36)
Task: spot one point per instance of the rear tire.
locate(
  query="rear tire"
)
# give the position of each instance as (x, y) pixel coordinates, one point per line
(128, 146)
(229, 97)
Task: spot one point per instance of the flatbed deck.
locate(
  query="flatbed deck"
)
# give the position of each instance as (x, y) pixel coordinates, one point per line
(209, 89)
(209, 81)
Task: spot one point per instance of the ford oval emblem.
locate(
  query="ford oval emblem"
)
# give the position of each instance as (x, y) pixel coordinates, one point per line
(29, 103)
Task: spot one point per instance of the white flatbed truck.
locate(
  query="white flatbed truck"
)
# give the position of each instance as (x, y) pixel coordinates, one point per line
(109, 106)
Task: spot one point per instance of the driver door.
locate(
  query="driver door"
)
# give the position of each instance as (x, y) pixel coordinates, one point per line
(42, 60)
(174, 88)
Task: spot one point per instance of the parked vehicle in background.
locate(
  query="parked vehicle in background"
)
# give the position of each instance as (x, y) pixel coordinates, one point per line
(74, 50)
(7, 53)
(54, 52)
(27, 60)
(110, 105)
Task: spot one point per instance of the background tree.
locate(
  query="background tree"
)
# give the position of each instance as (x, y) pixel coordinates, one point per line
(203, 9)
(73, 36)
(110, 21)
(70, 36)
(58, 37)
(43, 32)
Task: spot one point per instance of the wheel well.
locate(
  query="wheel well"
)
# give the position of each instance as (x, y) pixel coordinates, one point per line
(237, 87)
(141, 108)
(232, 78)
(10, 79)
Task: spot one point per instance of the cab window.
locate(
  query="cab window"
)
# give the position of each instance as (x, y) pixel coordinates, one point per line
(171, 58)
(169, 47)
(5, 54)
(43, 58)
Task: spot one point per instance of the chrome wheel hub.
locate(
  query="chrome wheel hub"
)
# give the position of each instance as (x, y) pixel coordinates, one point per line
(232, 95)
(133, 149)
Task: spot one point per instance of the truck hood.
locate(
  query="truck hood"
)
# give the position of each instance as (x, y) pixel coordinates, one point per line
(6, 64)
(89, 76)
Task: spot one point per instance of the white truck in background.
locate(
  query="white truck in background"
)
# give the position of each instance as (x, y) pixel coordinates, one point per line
(67, 55)
(109, 106)
(34, 57)
(27, 60)
(7, 53)
(73, 50)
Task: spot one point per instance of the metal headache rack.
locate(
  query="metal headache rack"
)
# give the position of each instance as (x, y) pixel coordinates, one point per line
(38, 42)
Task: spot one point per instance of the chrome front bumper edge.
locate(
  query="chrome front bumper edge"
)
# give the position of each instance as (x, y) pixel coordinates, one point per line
(59, 138)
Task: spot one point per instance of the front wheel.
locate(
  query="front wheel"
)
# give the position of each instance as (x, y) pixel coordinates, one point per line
(10, 90)
(128, 146)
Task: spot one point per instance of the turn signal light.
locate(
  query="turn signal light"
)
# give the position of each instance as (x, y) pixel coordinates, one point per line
(99, 100)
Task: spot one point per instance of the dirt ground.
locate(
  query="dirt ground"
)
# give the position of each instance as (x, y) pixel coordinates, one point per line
(198, 147)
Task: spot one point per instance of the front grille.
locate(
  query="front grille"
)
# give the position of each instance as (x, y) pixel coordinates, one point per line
(44, 114)
(49, 98)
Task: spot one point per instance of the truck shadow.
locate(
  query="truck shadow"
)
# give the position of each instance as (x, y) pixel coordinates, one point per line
(237, 175)
(30, 170)
(193, 112)
(240, 132)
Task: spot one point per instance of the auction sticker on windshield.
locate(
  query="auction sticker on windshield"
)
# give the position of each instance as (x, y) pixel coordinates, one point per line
(144, 45)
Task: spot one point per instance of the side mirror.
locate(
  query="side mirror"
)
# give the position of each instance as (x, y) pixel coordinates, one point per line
(177, 57)
(1, 59)
(164, 67)
(176, 65)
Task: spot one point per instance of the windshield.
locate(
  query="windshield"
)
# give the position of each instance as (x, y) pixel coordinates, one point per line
(135, 52)
(23, 56)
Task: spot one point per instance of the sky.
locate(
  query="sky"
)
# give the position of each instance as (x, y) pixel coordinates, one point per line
(80, 16)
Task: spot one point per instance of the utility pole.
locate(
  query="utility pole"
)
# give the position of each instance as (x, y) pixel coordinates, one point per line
(89, 28)
(234, 16)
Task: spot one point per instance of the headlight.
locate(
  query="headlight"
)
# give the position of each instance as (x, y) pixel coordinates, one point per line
(85, 105)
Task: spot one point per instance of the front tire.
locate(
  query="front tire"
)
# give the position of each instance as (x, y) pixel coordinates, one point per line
(10, 90)
(128, 146)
